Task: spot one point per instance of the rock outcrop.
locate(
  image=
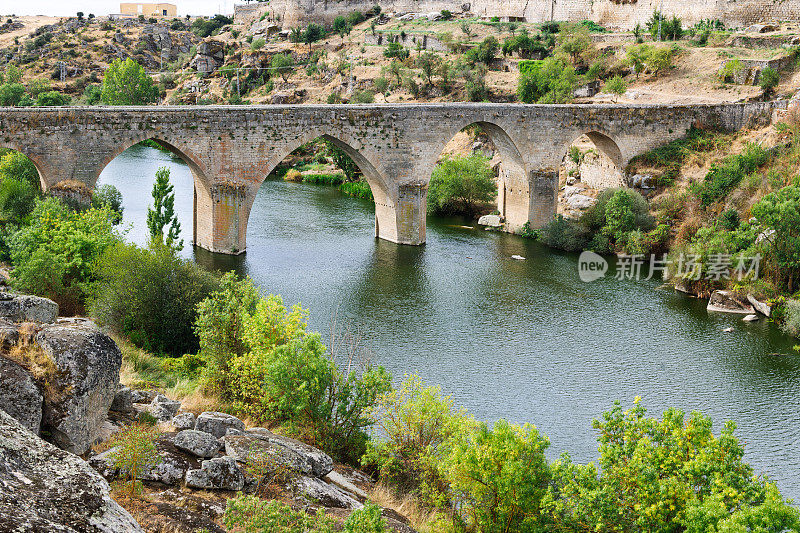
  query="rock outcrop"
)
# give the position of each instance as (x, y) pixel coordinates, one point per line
(219, 473)
(217, 423)
(210, 56)
(20, 397)
(88, 363)
(26, 308)
(43, 488)
(728, 302)
(197, 443)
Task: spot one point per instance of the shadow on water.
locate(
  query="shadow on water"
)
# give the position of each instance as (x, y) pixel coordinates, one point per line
(519, 339)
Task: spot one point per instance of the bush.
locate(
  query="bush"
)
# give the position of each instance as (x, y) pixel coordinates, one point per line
(780, 211)
(396, 50)
(136, 453)
(416, 423)
(671, 28)
(17, 199)
(484, 52)
(11, 94)
(151, 295)
(52, 98)
(460, 185)
(381, 84)
(564, 234)
(54, 256)
(769, 79)
(252, 514)
(499, 478)
(17, 166)
(127, 83)
(363, 97)
(551, 81)
(108, 196)
(258, 44)
(368, 519)
(724, 177)
(357, 189)
(791, 318)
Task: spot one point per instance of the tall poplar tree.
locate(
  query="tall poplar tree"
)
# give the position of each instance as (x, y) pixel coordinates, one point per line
(162, 215)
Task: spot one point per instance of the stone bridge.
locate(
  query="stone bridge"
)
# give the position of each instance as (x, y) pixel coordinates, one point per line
(232, 149)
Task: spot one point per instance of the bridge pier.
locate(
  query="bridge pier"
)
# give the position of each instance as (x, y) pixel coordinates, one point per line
(543, 197)
(220, 217)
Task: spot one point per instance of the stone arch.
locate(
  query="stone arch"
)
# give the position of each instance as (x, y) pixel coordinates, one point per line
(608, 170)
(513, 187)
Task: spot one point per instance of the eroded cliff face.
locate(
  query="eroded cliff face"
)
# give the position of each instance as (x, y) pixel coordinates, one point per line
(44, 489)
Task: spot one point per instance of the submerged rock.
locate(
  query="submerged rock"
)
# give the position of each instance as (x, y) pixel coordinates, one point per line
(46, 489)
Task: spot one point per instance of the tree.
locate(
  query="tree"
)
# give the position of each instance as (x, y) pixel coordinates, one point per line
(341, 26)
(52, 98)
(780, 211)
(615, 86)
(135, 453)
(127, 83)
(11, 94)
(13, 74)
(428, 63)
(162, 214)
(768, 80)
(659, 60)
(283, 65)
(551, 81)
(313, 33)
(80, 15)
(460, 184)
(108, 196)
(636, 57)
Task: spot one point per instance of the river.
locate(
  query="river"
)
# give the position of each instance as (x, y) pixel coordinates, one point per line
(522, 340)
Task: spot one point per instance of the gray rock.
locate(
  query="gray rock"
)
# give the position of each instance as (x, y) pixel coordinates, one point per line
(27, 308)
(172, 466)
(317, 491)
(103, 463)
(88, 362)
(728, 302)
(750, 318)
(197, 443)
(50, 490)
(572, 190)
(183, 421)
(219, 473)
(346, 484)
(241, 447)
(762, 307)
(217, 423)
(123, 400)
(19, 395)
(164, 408)
(490, 220)
(580, 201)
(319, 462)
(143, 396)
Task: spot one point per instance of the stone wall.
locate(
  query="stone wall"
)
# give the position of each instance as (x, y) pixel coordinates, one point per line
(231, 149)
(614, 14)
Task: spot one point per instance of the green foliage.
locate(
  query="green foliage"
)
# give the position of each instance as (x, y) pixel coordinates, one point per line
(11, 94)
(13, 73)
(769, 79)
(54, 255)
(730, 69)
(283, 64)
(312, 33)
(341, 26)
(416, 423)
(461, 185)
(162, 214)
(484, 52)
(357, 189)
(17, 199)
(396, 50)
(135, 453)
(342, 160)
(258, 44)
(791, 318)
(525, 46)
(150, 295)
(498, 478)
(671, 474)
(251, 514)
(363, 97)
(127, 83)
(779, 211)
(203, 27)
(108, 196)
(646, 57)
(93, 94)
(724, 177)
(381, 84)
(550, 81)
(564, 234)
(368, 519)
(592, 26)
(672, 155)
(615, 86)
(17, 166)
(625, 211)
(52, 98)
(671, 29)
(729, 219)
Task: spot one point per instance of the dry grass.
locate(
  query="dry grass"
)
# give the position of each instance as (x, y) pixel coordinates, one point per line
(39, 364)
(421, 518)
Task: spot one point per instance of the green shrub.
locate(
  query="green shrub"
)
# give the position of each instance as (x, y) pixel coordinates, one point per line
(729, 219)
(625, 211)
(363, 97)
(499, 478)
(769, 79)
(416, 424)
(484, 52)
(52, 98)
(368, 519)
(780, 211)
(108, 196)
(396, 50)
(791, 318)
(258, 44)
(251, 514)
(381, 84)
(127, 83)
(459, 185)
(357, 189)
(565, 234)
(17, 199)
(724, 177)
(551, 81)
(11, 94)
(54, 256)
(151, 295)
(135, 453)
(671, 28)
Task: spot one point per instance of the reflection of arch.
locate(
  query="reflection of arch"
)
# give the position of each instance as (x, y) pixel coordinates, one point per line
(37, 162)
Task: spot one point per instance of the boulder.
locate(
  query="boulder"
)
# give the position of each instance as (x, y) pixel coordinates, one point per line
(219, 473)
(345, 483)
(762, 307)
(143, 396)
(580, 201)
(163, 408)
(571, 180)
(20, 397)
(240, 448)
(325, 494)
(88, 363)
(490, 220)
(197, 443)
(172, 466)
(183, 421)
(123, 400)
(210, 56)
(750, 318)
(319, 461)
(26, 308)
(643, 181)
(571, 190)
(728, 302)
(47, 489)
(217, 423)
(103, 463)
